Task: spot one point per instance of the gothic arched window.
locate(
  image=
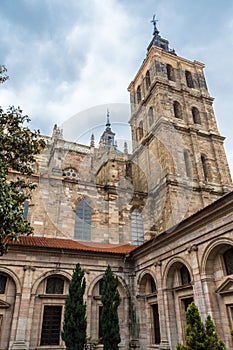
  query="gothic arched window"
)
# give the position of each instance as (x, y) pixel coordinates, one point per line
(151, 116)
(139, 95)
(189, 79)
(196, 115)
(82, 228)
(137, 228)
(187, 164)
(170, 72)
(148, 81)
(177, 110)
(228, 261)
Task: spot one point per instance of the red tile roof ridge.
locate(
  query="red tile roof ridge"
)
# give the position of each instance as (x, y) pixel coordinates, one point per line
(66, 243)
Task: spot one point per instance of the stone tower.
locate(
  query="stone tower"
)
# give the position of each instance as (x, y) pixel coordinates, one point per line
(178, 155)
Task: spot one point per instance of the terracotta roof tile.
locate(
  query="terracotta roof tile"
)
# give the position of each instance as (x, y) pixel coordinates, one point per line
(44, 242)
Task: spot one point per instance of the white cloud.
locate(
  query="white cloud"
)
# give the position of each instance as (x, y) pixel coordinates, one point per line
(64, 57)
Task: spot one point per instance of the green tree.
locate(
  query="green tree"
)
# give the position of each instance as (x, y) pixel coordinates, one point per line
(200, 335)
(109, 317)
(212, 338)
(75, 323)
(3, 76)
(18, 147)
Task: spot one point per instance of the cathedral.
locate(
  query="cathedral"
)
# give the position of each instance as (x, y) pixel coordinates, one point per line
(159, 215)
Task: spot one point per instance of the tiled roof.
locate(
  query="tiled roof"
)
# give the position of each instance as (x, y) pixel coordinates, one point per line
(44, 242)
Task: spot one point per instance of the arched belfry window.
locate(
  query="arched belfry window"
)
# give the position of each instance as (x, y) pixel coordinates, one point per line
(188, 168)
(196, 115)
(148, 81)
(189, 79)
(228, 261)
(170, 72)
(82, 229)
(137, 228)
(151, 116)
(139, 95)
(205, 168)
(177, 110)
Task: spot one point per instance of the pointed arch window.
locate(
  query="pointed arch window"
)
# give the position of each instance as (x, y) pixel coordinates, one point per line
(139, 95)
(148, 80)
(170, 72)
(196, 115)
(151, 116)
(189, 79)
(228, 261)
(205, 167)
(137, 228)
(82, 229)
(187, 164)
(177, 110)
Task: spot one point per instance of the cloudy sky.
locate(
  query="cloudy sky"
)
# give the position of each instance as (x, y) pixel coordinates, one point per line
(64, 57)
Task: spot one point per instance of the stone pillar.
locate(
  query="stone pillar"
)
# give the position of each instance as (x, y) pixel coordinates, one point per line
(20, 342)
(164, 343)
(198, 292)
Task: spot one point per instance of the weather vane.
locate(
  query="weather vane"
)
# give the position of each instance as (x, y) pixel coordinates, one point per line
(154, 23)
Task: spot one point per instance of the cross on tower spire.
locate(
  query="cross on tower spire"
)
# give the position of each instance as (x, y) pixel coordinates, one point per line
(156, 31)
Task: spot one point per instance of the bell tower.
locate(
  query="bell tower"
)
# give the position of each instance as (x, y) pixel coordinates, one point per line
(176, 142)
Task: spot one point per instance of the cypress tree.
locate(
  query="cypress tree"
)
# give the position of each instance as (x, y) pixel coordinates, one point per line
(75, 323)
(212, 338)
(199, 335)
(111, 300)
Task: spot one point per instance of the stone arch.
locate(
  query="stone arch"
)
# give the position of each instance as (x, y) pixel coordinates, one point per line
(149, 308)
(48, 309)
(14, 277)
(9, 305)
(94, 307)
(179, 295)
(173, 264)
(212, 250)
(47, 274)
(219, 285)
(94, 282)
(143, 276)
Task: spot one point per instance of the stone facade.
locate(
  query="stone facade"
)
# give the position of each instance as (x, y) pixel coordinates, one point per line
(95, 205)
